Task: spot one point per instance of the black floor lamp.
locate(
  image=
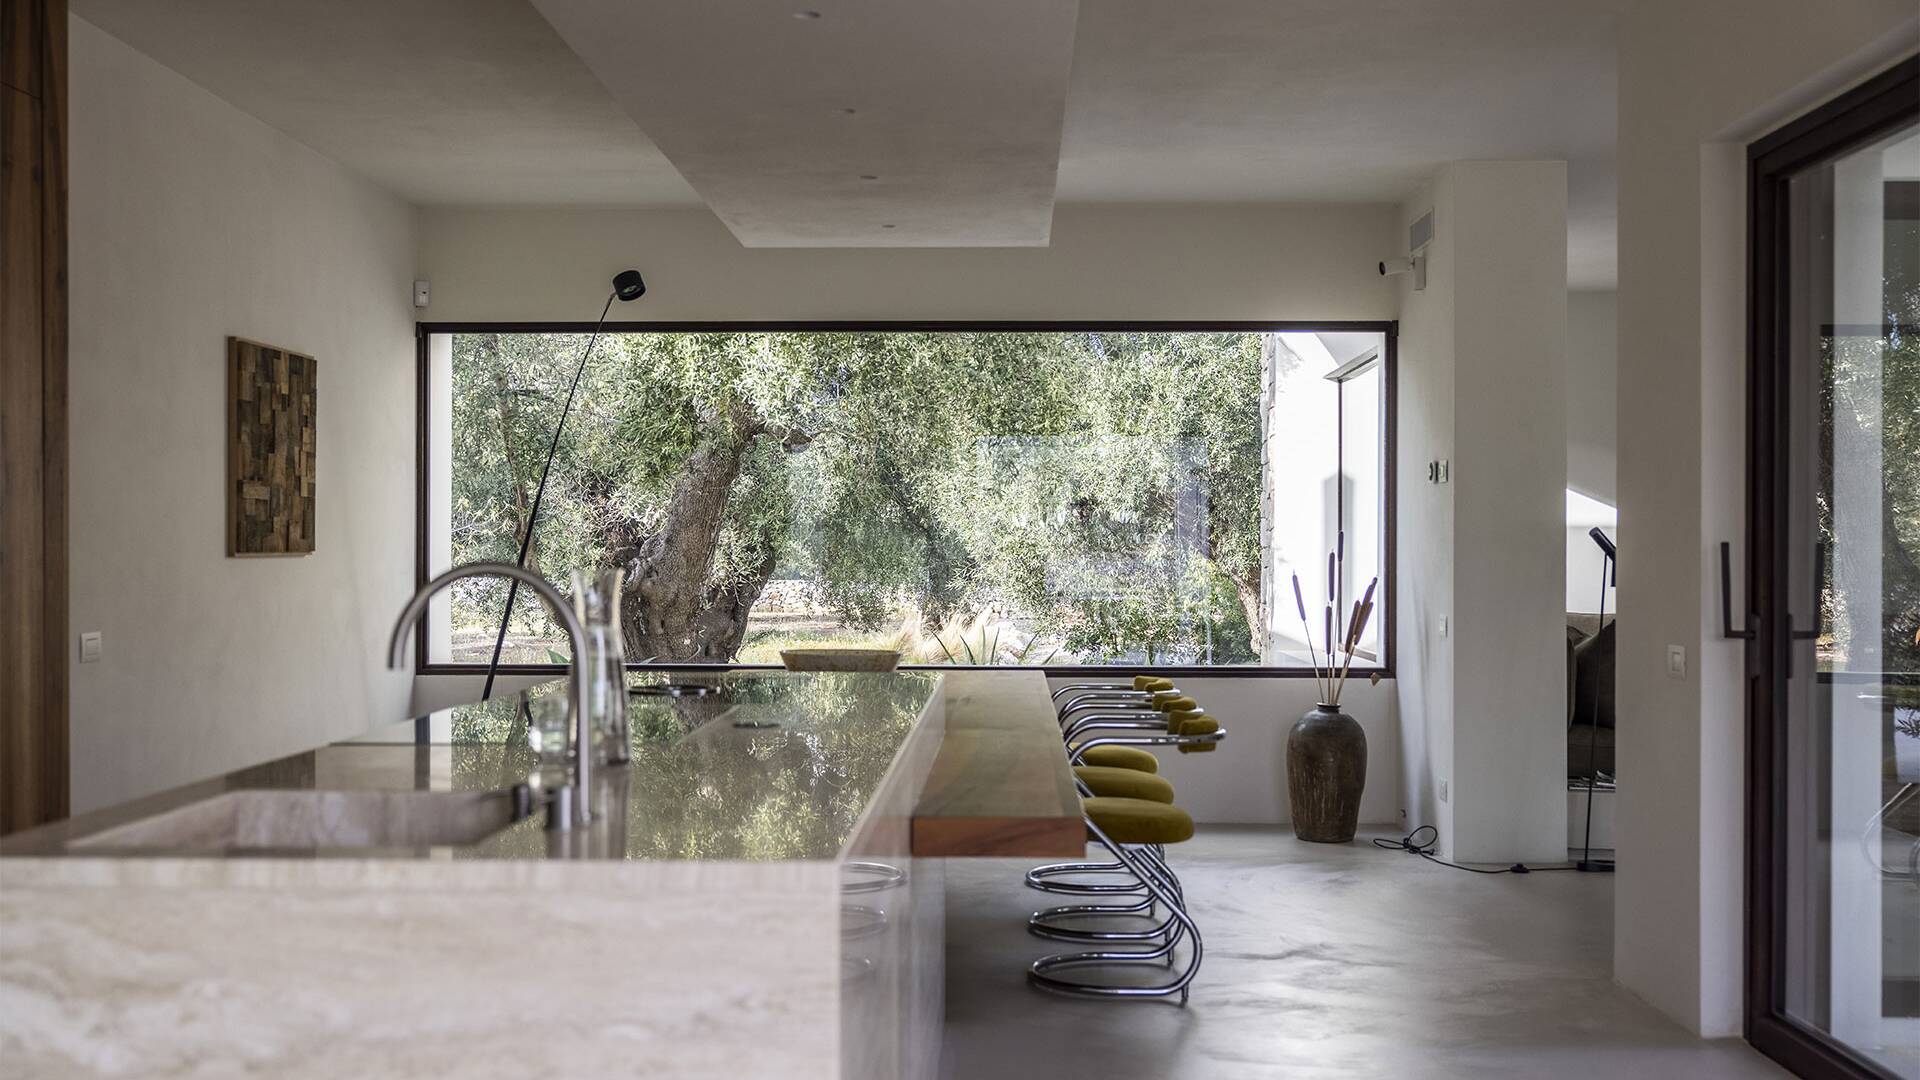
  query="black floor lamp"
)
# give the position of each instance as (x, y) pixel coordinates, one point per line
(1609, 575)
(627, 287)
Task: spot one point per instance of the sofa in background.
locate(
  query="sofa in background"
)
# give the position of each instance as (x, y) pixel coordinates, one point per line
(1590, 733)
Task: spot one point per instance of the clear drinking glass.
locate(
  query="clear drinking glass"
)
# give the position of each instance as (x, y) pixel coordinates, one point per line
(549, 733)
(596, 600)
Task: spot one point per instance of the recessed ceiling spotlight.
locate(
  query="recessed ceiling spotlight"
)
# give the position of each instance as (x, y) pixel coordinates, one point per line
(848, 112)
(886, 226)
(868, 176)
(806, 15)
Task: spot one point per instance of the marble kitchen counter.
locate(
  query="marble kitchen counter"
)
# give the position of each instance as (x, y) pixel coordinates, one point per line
(770, 765)
(748, 904)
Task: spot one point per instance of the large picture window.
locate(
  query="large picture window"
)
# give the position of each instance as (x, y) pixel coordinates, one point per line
(1061, 496)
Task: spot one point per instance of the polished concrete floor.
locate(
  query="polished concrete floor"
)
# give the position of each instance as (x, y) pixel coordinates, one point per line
(1326, 961)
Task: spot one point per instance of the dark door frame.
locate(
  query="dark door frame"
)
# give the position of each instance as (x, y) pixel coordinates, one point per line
(33, 413)
(1880, 105)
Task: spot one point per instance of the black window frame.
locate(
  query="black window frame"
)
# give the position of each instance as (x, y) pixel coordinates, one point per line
(1389, 329)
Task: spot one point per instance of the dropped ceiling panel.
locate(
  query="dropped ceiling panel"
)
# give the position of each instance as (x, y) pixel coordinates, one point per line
(852, 123)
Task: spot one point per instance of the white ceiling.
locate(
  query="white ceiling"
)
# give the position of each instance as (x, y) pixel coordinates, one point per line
(480, 102)
(1342, 100)
(440, 101)
(859, 123)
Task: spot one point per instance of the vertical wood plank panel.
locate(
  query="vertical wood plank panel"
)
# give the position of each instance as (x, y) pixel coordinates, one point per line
(33, 426)
(54, 732)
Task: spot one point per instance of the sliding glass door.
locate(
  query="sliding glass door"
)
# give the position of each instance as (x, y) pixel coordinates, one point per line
(1834, 536)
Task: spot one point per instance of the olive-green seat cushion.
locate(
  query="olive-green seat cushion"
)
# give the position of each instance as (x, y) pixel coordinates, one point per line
(1149, 682)
(1191, 722)
(1174, 704)
(1122, 757)
(1124, 783)
(1138, 821)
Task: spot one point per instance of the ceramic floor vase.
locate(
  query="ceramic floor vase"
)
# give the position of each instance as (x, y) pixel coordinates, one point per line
(1326, 772)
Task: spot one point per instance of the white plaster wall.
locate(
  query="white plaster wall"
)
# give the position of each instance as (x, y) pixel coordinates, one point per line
(1131, 262)
(191, 221)
(1105, 262)
(1509, 480)
(1424, 654)
(1592, 386)
(1482, 385)
(1698, 81)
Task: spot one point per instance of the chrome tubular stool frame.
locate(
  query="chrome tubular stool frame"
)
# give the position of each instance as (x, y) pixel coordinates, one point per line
(1116, 700)
(1073, 688)
(1041, 972)
(1146, 864)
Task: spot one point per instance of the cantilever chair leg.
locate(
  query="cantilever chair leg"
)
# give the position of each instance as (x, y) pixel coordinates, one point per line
(1043, 972)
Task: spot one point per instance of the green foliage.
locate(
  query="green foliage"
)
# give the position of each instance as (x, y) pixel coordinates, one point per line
(1871, 384)
(1103, 487)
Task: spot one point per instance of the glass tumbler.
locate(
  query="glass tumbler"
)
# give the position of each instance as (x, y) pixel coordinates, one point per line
(596, 601)
(550, 735)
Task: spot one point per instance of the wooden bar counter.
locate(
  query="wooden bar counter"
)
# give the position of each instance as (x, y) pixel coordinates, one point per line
(1001, 785)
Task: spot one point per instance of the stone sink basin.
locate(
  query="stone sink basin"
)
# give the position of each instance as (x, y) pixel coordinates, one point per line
(268, 820)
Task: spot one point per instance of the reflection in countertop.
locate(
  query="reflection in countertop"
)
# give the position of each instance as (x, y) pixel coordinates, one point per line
(769, 766)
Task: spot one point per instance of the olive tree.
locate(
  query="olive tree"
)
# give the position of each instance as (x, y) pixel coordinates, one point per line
(1102, 484)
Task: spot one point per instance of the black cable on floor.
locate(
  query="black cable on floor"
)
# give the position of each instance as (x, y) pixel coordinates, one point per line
(1426, 849)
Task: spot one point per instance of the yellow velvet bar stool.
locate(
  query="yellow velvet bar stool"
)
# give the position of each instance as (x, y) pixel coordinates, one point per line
(1138, 821)
(1129, 829)
(1114, 746)
(1117, 718)
(1138, 685)
(1071, 700)
(1108, 780)
(1155, 824)
(1115, 757)
(1193, 722)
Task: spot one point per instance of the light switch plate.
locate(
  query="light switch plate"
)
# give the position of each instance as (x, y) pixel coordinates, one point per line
(90, 647)
(1446, 625)
(421, 295)
(1677, 661)
(1443, 791)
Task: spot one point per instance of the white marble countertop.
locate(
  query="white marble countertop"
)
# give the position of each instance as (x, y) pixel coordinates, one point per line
(771, 766)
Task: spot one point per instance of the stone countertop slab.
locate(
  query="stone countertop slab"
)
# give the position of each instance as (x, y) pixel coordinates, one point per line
(770, 766)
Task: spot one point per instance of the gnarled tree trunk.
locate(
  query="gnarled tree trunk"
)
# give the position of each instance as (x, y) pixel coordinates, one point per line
(669, 611)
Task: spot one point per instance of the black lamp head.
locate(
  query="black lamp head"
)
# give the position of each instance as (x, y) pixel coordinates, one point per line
(1606, 545)
(628, 286)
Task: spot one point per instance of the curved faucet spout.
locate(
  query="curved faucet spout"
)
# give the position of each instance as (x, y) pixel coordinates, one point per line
(576, 686)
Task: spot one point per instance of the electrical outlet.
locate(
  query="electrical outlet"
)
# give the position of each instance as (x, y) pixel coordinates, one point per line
(1677, 661)
(421, 294)
(90, 647)
(1443, 791)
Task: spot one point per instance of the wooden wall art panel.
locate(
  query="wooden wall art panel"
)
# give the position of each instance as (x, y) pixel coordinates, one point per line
(271, 450)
